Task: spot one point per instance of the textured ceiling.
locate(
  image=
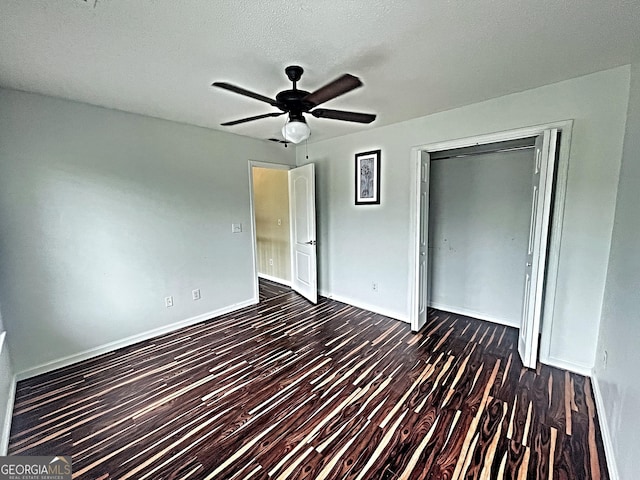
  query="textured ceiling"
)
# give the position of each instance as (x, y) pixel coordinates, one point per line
(415, 57)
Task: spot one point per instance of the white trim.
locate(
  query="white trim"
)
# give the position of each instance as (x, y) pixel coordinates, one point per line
(8, 416)
(607, 440)
(110, 347)
(281, 281)
(252, 213)
(565, 127)
(580, 369)
(11, 397)
(365, 306)
(495, 137)
(472, 313)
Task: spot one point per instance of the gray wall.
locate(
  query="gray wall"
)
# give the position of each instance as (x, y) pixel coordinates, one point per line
(619, 380)
(361, 244)
(105, 213)
(479, 215)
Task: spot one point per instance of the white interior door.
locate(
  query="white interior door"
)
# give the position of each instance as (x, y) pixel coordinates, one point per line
(302, 213)
(422, 290)
(536, 257)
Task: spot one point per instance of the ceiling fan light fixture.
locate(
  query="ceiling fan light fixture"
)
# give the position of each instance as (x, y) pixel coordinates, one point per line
(296, 130)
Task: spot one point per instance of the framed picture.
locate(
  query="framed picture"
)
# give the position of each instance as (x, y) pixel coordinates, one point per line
(368, 178)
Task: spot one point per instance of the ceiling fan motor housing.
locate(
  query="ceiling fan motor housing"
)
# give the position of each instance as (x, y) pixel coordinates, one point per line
(291, 101)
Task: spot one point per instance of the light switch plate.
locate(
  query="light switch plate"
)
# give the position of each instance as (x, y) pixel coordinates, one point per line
(236, 228)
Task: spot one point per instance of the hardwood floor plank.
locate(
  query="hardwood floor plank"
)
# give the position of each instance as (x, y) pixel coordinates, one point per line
(289, 390)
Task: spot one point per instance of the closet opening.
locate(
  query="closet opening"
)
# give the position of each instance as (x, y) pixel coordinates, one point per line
(486, 220)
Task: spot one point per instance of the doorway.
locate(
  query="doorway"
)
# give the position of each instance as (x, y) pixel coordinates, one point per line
(284, 226)
(271, 219)
(538, 252)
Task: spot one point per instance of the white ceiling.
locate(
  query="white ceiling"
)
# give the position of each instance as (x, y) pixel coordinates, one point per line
(415, 57)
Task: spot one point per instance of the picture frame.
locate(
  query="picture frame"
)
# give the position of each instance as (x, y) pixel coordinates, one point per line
(367, 176)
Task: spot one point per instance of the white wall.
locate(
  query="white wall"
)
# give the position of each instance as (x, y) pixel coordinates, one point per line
(105, 213)
(619, 381)
(479, 214)
(361, 244)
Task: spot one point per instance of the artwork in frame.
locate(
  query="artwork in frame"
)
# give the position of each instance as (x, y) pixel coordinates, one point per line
(368, 178)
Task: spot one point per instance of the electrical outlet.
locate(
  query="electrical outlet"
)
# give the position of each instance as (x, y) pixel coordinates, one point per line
(271, 262)
(195, 294)
(374, 286)
(279, 222)
(236, 228)
(168, 301)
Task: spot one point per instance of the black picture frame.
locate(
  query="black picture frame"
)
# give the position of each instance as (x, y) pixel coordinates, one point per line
(367, 173)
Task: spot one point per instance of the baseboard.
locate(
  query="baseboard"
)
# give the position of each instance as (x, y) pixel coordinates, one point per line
(471, 313)
(8, 416)
(109, 347)
(604, 430)
(281, 281)
(366, 306)
(572, 367)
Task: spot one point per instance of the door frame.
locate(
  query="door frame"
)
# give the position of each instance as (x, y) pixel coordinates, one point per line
(254, 240)
(565, 127)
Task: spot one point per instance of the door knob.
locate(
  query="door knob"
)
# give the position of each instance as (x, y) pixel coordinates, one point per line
(310, 242)
(528, 264)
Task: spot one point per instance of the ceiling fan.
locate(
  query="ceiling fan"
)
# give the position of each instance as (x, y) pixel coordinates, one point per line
(297, 102)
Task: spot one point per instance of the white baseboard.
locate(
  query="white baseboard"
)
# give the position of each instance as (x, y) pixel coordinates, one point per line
(563, 364)
(109, 347)
(274, 279)
(403, 317)
(471, 313)
(604, 430)
(8, 416)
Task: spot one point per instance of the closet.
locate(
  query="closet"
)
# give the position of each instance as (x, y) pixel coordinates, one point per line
(480, 202)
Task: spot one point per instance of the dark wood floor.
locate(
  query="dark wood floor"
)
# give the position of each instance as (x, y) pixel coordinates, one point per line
(290, 390)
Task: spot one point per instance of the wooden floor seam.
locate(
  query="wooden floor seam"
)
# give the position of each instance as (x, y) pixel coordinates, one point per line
(290, 390)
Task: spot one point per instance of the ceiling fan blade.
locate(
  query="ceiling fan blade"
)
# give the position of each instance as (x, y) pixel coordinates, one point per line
(342, 115)
(334, 89)
(245, 92)
(250, 119)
